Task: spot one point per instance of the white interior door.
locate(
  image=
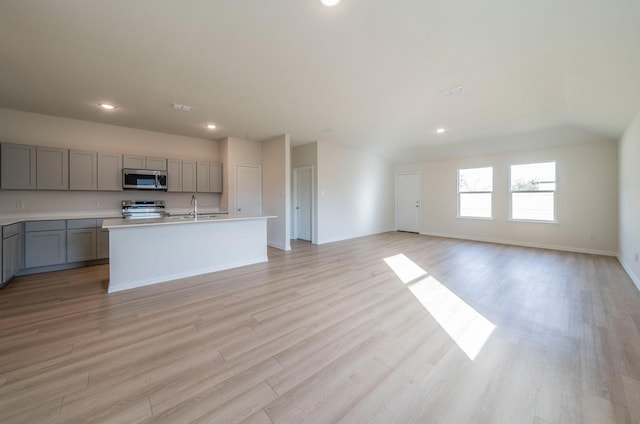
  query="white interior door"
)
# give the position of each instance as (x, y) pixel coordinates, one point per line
(248, 190)
(303, 202)
(408, 187)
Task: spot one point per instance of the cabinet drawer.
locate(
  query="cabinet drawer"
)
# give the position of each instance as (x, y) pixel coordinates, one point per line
(10, 230)
(82, 223)
(45, 225)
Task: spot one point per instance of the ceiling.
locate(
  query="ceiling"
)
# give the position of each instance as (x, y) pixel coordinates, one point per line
(367, 73)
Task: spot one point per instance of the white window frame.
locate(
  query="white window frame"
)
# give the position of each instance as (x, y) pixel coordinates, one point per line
(555, 197)
(459, 215)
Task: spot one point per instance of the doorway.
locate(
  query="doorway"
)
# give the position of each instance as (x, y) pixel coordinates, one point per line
(408, 203)
(303, 203)
(248, 190)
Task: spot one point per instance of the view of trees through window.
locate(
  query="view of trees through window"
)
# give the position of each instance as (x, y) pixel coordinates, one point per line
(475, 187)
(533, 189)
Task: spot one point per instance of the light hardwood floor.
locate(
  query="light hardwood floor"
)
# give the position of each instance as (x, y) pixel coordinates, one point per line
(329, 334)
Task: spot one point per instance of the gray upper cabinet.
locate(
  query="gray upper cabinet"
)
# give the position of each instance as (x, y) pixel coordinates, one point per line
(134, 162)
(215, 178)
(109, 172)
(18, 167)
(209, 177)
(203, 183)
(145, 162)
(83, 170)
(52, 168)
(159, 164)
(189, 176)
(174, 175)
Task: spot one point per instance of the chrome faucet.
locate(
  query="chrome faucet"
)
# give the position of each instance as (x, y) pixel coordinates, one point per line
(194, 203)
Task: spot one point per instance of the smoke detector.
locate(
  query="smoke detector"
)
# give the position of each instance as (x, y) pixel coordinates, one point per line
(178, 106)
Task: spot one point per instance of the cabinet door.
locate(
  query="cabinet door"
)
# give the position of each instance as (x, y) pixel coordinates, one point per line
(83, 170)
(158, 164)
(103, 243)
(52, 168)
(10, 257)
(44, 248)
(81, 244)
(134, 162)
(189, 176)
(215, 178)
(203, 183)
(174, 175)
(109, 172)
(18, 167)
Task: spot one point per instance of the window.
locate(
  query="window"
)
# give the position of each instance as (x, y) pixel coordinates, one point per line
(475, 187)
(533, 191)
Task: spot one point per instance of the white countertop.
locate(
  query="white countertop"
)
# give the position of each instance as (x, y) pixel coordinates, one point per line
(8, 219)
(176, 220)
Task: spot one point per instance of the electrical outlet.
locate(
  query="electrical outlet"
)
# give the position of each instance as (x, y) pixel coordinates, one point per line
(20, 204)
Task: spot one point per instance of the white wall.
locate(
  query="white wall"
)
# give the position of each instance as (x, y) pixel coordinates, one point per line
(237, 151)
(355, 193)
(43, 130)
(276, 190)
(307, 155)
(629, 151)
(586, 199)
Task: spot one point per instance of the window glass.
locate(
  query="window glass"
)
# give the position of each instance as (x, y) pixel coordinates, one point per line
(533, 193)
(475, 189)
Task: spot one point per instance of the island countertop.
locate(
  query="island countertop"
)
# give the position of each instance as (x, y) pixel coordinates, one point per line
(177, 220)
(150, 251)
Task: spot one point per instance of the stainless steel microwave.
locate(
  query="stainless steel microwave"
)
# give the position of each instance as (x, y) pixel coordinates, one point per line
(144, 179)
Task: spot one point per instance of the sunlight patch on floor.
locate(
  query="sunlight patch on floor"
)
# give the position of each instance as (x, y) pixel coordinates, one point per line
(468, 328)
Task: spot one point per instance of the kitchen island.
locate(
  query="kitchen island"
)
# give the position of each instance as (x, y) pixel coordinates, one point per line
(150, 251)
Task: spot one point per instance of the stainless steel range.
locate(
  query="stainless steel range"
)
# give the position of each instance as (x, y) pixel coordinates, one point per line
(139, 209)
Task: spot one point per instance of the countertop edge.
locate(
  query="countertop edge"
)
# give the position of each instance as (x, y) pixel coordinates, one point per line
(132, 223)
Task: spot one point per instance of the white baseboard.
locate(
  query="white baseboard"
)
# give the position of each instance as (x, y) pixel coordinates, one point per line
(279, 246)
(630, 272)
(535, 245)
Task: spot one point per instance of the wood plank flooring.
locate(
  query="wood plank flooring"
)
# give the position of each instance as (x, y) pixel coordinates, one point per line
(329, 334)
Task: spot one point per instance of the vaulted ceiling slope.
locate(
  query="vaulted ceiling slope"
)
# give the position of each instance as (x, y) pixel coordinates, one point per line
(368, 73)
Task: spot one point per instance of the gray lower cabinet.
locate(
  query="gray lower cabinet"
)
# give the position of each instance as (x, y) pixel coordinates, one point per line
(45, 243)
(17, 167)
(81, 239)
(11, 251)
(81, 244)
(103, 243)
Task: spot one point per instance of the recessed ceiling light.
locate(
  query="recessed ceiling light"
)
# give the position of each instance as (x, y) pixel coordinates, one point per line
(211, 126)
(330, 2)
(106, 106)
(440, 130)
